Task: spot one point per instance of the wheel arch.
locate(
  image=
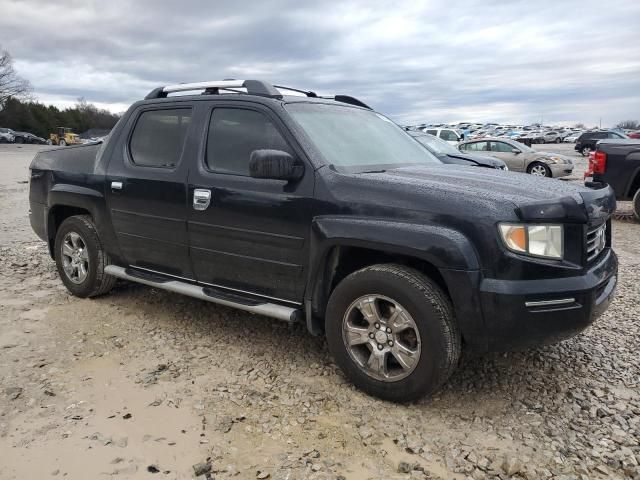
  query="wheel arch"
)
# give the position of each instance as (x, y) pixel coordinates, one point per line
(341, 246)
(66, 200)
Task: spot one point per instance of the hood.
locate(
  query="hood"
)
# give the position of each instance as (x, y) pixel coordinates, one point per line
(490, 192)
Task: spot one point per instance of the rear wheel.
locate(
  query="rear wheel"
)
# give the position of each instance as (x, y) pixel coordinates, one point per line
(539, 169)
(392, 331)
(81, 259)
(558, 140)
(636, 205)
(62, 142)
(585, 151)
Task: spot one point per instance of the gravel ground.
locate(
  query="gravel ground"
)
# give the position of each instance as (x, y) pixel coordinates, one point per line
(142, 382)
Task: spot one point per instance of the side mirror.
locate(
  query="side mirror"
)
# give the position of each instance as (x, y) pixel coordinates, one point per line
(274, 165)
(516, 151)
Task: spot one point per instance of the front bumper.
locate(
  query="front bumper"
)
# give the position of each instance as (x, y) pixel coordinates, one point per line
(561, 169)
(526, 313)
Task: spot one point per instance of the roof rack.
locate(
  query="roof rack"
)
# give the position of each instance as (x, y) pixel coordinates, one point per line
(252, 87)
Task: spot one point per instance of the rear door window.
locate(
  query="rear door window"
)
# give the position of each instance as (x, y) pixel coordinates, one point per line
(159, 136)
(477, 147)
(432, 132)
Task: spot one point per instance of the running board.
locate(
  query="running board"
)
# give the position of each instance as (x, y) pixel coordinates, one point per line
(288, 314)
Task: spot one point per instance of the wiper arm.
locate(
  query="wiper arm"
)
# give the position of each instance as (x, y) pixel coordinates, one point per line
(373, 171)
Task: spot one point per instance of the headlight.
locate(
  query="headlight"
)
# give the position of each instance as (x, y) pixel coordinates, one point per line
(554, 160)
(545, 241)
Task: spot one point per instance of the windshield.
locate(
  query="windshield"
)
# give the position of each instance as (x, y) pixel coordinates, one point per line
(356, 140)
(437, 145)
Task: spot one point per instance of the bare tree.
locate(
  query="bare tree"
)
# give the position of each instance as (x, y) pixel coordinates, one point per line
(579, 125)
(11, 84)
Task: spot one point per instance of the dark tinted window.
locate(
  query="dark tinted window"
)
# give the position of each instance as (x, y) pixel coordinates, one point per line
(432, 132)
(235, 133)
(158, 137)
(448, 135)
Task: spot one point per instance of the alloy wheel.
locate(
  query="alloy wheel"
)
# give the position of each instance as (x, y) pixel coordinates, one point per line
(381, 337)
(75, 257)
(538, 170)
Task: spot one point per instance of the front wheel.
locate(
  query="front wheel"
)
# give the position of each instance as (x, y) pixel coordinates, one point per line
(81, 259)
(558, 140)
(585, 151)
(636, 205)
(539, 169)
(392, 331)
(62, 143)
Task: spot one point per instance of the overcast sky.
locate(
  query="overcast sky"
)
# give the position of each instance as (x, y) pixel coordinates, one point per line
(504, 61)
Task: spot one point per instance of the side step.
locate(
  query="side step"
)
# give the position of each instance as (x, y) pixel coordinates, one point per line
(288, 314)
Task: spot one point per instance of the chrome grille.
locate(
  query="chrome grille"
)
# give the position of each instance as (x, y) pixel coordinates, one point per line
(596, 241)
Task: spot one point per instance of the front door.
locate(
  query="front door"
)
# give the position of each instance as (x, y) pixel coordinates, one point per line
(147, 189)
(251, 234)
(505, 152)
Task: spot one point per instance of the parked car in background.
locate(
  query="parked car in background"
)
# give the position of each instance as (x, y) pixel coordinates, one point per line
(552, 136)
(447, 134)
(635, 134)
(6, 135)
(572, 137)
(447, 153)
(34, 139)
(588, 140)
(520, 158)
(616, 163)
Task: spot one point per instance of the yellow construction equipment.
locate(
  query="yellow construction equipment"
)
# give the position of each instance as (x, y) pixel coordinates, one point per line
(64, 137)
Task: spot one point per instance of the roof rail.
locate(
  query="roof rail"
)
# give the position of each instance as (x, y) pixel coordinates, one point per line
(253, 87)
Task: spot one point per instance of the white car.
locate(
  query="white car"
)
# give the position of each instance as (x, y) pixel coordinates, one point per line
(572, 137)
(447, 134)
(6, 135)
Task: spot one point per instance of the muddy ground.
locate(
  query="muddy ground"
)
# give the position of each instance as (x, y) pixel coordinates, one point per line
(146, 384)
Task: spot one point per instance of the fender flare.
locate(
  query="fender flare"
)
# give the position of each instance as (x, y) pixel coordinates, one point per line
(443, 248)
(89, 199)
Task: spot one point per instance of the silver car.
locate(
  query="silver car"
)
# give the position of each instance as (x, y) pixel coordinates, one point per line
(520, 158)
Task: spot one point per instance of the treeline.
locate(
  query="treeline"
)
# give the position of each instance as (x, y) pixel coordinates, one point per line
(41, 120)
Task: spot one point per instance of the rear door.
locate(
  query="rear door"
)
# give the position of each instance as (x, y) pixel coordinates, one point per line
(252, 235)
(505, 152)
(146, 189)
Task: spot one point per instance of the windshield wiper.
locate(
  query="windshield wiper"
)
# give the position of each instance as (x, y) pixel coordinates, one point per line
(373, 171)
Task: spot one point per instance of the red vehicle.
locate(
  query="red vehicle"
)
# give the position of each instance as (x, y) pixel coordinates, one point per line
(635, 134)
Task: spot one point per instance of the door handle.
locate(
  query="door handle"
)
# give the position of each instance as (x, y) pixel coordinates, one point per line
(201, 198)
(116, 185)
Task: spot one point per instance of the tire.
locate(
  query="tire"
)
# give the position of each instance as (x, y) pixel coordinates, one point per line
(558, 140)
(19, 140)
(585, 151)
(539, 169)
(62, 142)
(89, 253)
(434, 334)
(49, 142)
(636, 205)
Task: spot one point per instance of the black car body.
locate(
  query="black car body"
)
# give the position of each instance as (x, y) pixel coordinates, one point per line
(586, 142)
(447, 153)
(327, 199)
(617, 163)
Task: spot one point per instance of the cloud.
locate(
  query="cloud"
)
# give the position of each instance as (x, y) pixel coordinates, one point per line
(490, 60)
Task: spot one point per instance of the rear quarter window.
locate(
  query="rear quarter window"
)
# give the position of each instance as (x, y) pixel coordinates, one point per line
(159, 136)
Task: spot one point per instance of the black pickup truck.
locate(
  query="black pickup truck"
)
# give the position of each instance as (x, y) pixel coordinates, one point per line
(617, 163)
(322, 211)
